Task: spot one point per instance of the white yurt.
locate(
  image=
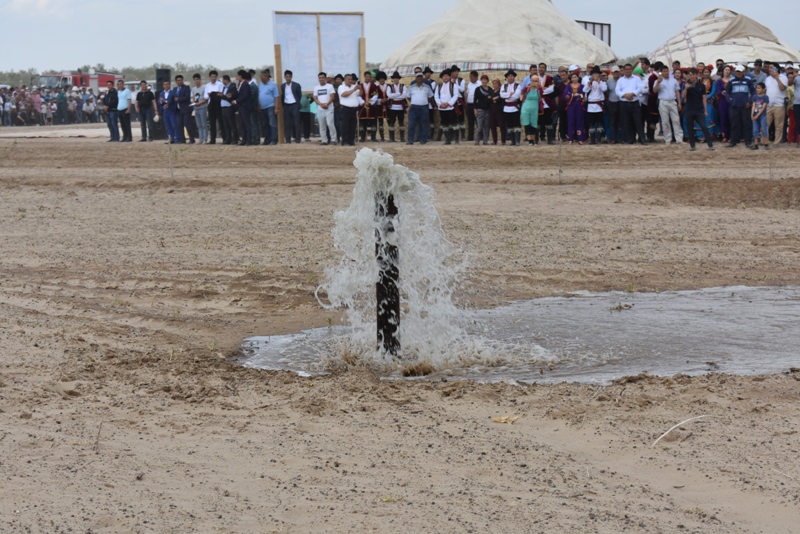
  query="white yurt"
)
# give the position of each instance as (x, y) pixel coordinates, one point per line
(490, 36)
(727, 35)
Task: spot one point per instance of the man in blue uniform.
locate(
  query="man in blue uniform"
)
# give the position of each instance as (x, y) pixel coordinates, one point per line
(740, 92)
(167, 112)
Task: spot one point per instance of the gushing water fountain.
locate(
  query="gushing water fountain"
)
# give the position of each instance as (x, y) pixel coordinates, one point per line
(399, 271)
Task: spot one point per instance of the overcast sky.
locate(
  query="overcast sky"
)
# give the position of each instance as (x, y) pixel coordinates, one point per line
(64, 34)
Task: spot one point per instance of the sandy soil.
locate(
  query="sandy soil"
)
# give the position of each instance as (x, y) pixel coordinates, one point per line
(125, 292)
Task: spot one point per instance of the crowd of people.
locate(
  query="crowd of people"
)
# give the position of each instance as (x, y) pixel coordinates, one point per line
(724, 102)
(33, 106)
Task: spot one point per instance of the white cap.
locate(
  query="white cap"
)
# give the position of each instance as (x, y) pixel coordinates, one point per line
(739, 68)
(615, 68)
(573, 67)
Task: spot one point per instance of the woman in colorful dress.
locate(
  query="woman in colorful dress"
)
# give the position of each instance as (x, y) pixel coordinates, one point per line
(724, 105)
(576, 111)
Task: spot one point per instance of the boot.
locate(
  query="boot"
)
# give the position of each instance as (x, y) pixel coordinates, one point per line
(518, 135)
(380, 130)
(372, 136)
(441, 133)
(402, 135)
(391, 136)
(457, 135)
(512, 136)
(448, 136)
(363, 134)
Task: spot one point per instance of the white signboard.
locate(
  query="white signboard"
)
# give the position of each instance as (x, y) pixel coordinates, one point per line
(315, 42)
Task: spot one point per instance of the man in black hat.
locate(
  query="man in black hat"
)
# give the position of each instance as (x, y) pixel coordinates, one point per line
(446, 96)
(461, 111)
(383, 102)
(511, 92)
(397, 94)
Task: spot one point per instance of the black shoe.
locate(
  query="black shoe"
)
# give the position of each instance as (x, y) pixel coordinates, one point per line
(643, 143)
(191, 142)
(692, 149)
(211, 143)
(150, 140)
(142, 140)
(753, 147)
(111, 141)
(730, 145)
(241, 144)
(549, 142)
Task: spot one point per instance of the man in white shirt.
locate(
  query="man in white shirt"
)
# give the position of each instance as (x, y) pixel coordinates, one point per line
(212, 95)
(349, 102)
(629, 89)
(323, 96)
(776, 91)
(446, 96)
(396, 95)
(595, 90)
(461, 129)
(471, 86)
(511, 92)
(588, 76)
(669, 105)
(420, 95)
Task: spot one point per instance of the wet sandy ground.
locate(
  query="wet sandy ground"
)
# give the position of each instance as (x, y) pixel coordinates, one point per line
(125, 292)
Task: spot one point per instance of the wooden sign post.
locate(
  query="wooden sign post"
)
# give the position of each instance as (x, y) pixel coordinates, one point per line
(279, 105)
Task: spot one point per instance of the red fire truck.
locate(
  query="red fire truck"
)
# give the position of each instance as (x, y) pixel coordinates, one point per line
(68, 80)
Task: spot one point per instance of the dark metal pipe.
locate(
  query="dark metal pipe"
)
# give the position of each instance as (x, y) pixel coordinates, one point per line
(387, 293)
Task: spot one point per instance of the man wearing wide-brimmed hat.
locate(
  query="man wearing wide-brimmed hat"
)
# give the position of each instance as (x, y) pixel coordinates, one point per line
(397, 94)
(446, 96)
(511, 92)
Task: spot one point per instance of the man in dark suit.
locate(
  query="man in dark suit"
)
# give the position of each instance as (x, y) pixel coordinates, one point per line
(183, 100)
(244, 102)
(229, 94)
(291, 94)
(110, 102)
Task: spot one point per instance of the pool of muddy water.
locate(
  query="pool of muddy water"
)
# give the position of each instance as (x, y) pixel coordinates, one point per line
(596, 337)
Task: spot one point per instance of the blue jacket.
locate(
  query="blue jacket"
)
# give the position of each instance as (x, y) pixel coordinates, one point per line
(169, 99)
(184, 96)
(740, 92)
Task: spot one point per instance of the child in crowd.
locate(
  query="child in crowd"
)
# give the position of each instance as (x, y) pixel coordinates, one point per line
(759, 116)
